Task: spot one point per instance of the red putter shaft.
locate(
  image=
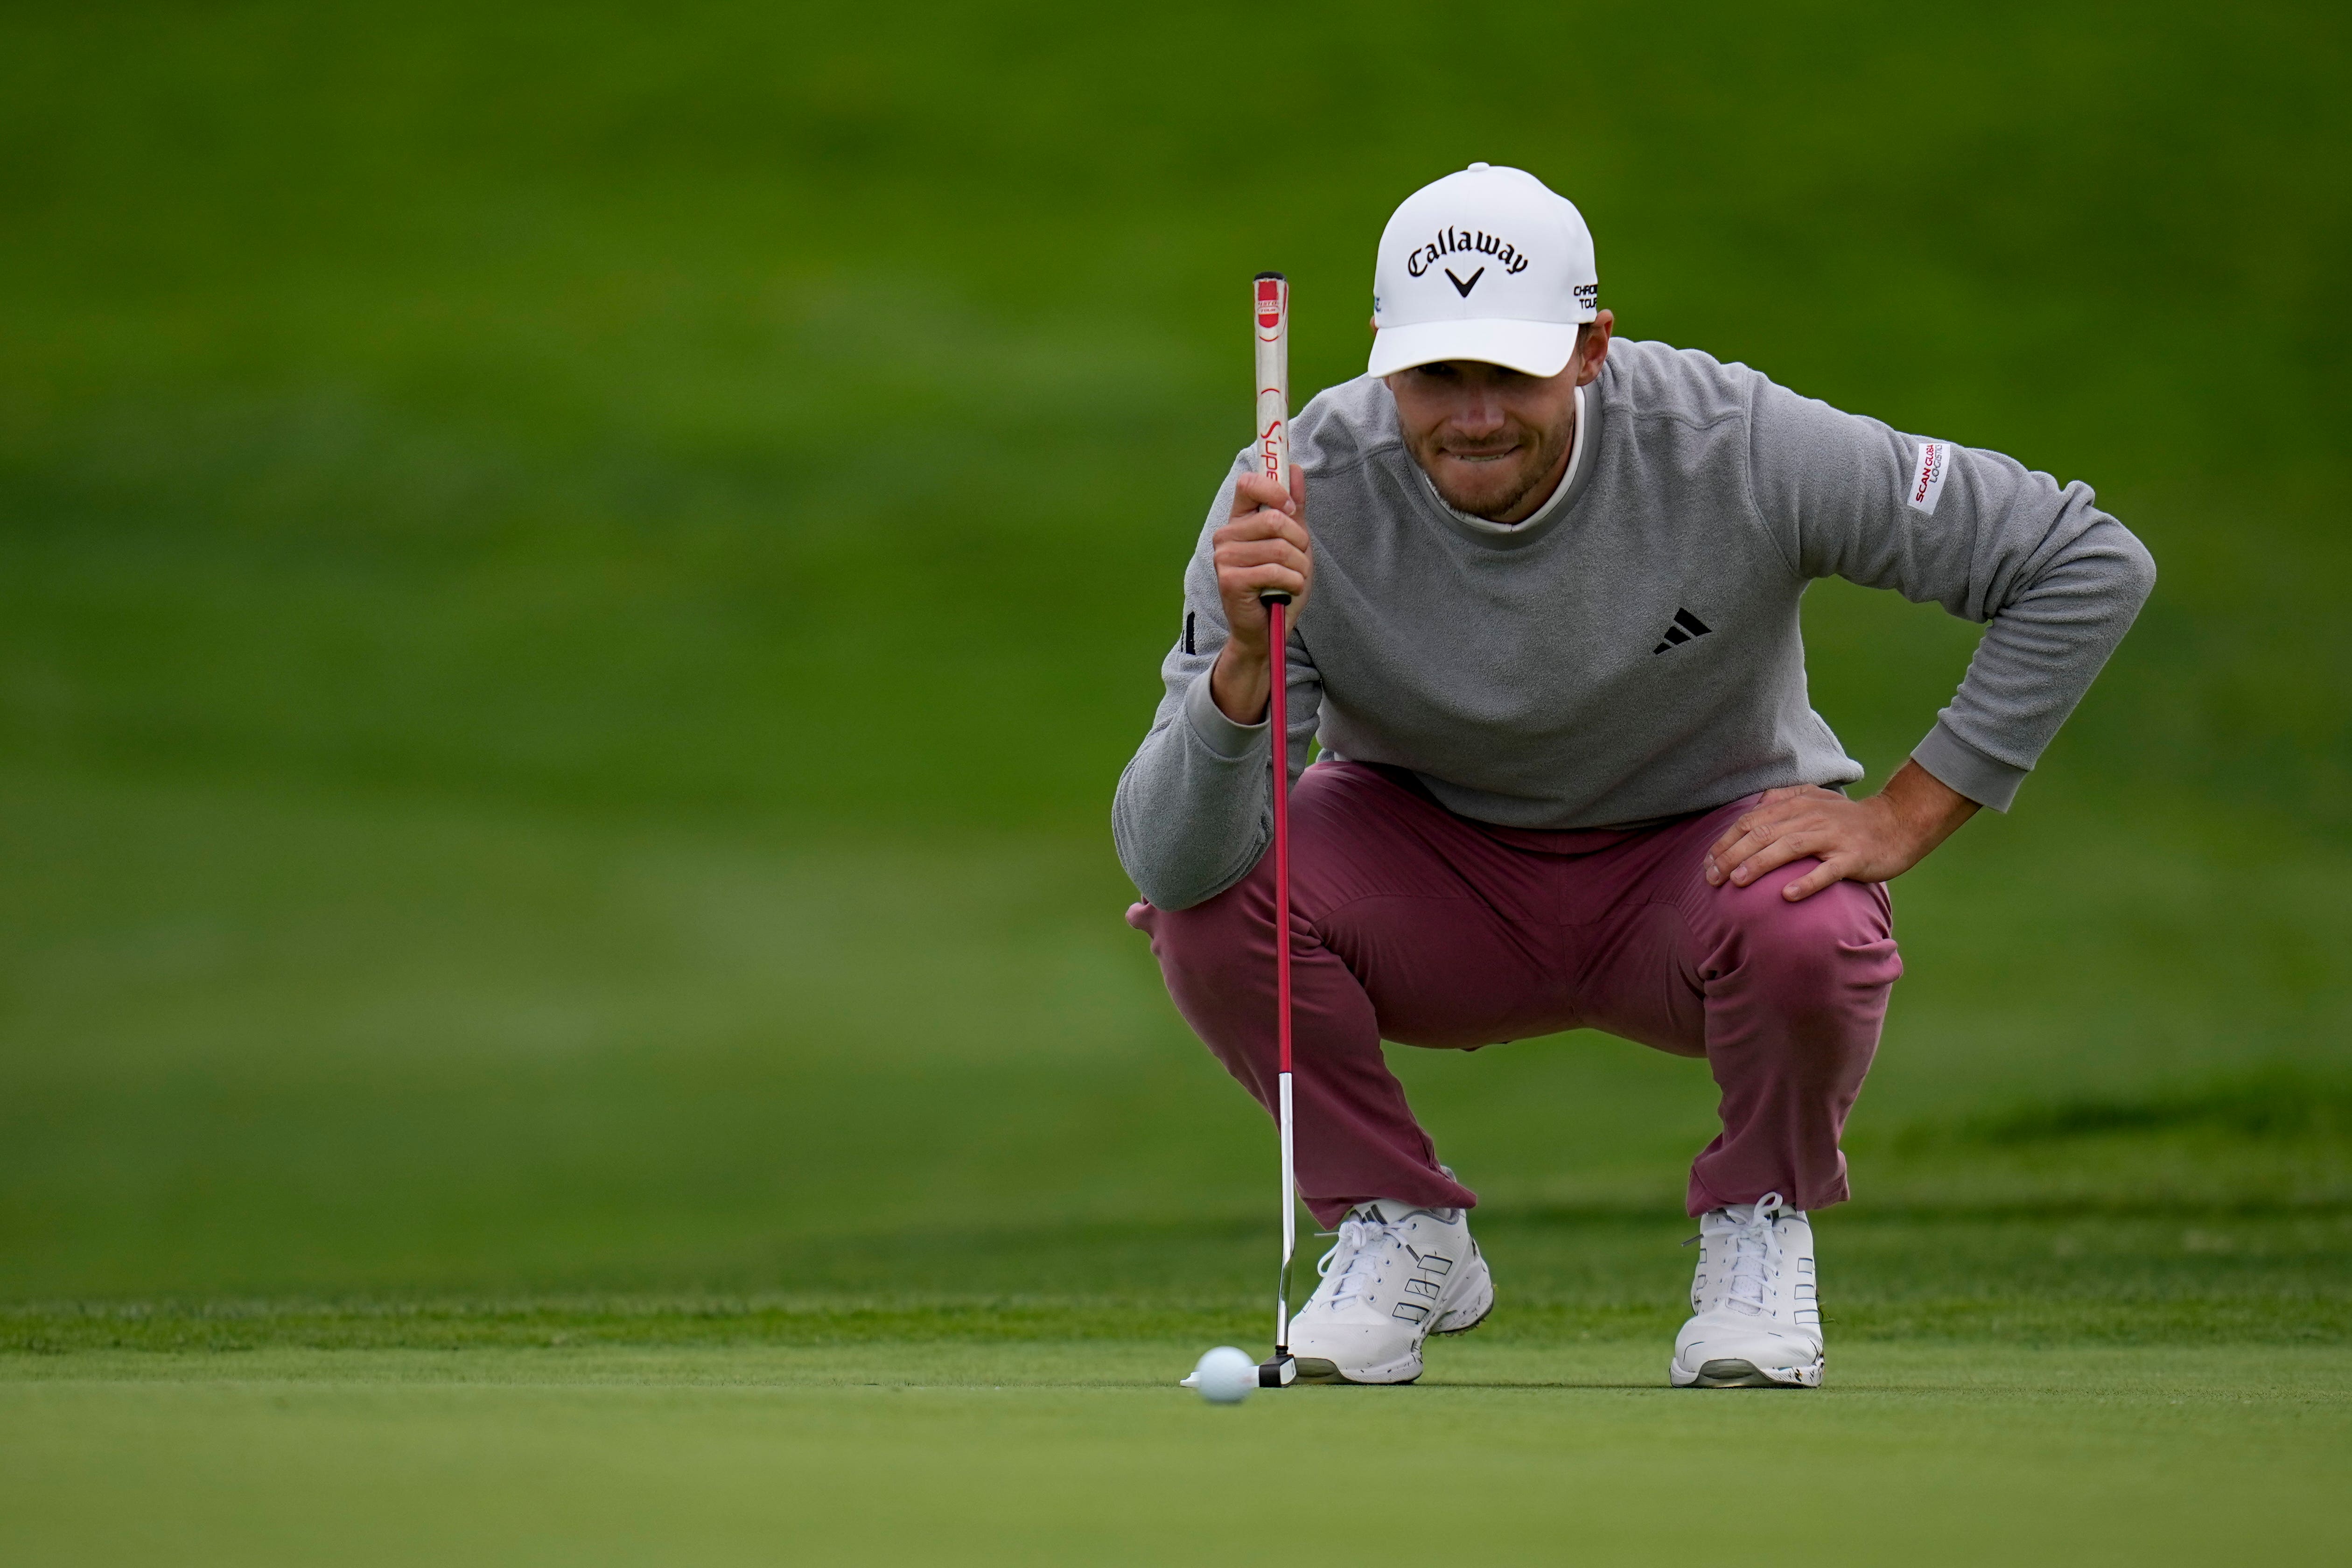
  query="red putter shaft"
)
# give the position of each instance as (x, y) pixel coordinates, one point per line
(1271, 294)
(1278, 716)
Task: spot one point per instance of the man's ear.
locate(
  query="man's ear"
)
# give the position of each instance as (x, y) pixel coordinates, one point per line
(1592, 347)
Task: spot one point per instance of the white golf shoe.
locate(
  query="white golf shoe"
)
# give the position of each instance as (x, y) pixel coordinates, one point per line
(1396, 1274)
(1756, 1316)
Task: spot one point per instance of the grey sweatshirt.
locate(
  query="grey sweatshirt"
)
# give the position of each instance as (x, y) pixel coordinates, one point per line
(1633, 651)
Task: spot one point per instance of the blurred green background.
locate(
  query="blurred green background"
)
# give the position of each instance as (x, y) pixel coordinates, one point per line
(574, 582)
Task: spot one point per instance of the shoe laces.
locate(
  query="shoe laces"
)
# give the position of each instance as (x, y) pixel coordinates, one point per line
(1755, 1253)
(1357, 1238)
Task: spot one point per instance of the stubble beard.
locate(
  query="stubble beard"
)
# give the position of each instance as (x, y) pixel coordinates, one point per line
(1502, 486)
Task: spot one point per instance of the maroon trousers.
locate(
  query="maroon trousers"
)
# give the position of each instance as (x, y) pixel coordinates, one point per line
(1410, 923)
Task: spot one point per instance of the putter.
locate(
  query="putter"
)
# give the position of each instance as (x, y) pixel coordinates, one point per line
(1273, 303)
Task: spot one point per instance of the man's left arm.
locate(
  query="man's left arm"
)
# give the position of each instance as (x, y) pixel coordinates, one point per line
(2058, 580)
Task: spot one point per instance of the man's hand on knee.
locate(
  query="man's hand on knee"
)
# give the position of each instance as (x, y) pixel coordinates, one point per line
(1872, 840)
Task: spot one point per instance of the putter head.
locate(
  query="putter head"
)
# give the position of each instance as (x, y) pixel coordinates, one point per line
(1279, 1373)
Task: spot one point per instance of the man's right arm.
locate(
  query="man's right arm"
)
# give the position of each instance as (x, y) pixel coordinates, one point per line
(1194, 808)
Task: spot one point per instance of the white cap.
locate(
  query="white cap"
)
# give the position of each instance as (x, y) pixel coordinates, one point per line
(1488, 264)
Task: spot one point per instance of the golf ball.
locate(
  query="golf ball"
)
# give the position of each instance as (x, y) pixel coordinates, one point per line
(1225, 1375)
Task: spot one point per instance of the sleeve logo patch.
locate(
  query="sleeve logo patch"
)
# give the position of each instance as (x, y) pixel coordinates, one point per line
(1926, 486)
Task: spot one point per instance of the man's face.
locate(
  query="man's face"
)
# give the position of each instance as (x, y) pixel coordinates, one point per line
(1492, 440)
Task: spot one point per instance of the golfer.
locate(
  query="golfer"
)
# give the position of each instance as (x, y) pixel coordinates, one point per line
(1547, 635)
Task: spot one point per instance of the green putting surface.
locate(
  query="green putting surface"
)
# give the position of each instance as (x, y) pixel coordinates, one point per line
(910, 1451)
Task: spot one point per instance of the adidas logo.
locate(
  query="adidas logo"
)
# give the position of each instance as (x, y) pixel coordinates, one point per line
(1428, 1282)
(1685, 627)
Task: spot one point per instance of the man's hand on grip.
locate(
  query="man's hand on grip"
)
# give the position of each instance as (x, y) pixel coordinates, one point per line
(1263, 547)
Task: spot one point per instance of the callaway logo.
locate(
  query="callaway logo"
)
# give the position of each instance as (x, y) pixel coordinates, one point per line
(1450, 241)
(1460, 287)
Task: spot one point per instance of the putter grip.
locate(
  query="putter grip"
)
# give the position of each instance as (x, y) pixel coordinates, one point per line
(1271, 298)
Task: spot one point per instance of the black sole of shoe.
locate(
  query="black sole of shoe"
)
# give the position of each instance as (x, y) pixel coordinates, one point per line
(1736, 1375)
(1446, 1333)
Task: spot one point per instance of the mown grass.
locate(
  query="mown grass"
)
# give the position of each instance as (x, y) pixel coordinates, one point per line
(265, 1046)
(888, 1452)
(2173, 1276)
